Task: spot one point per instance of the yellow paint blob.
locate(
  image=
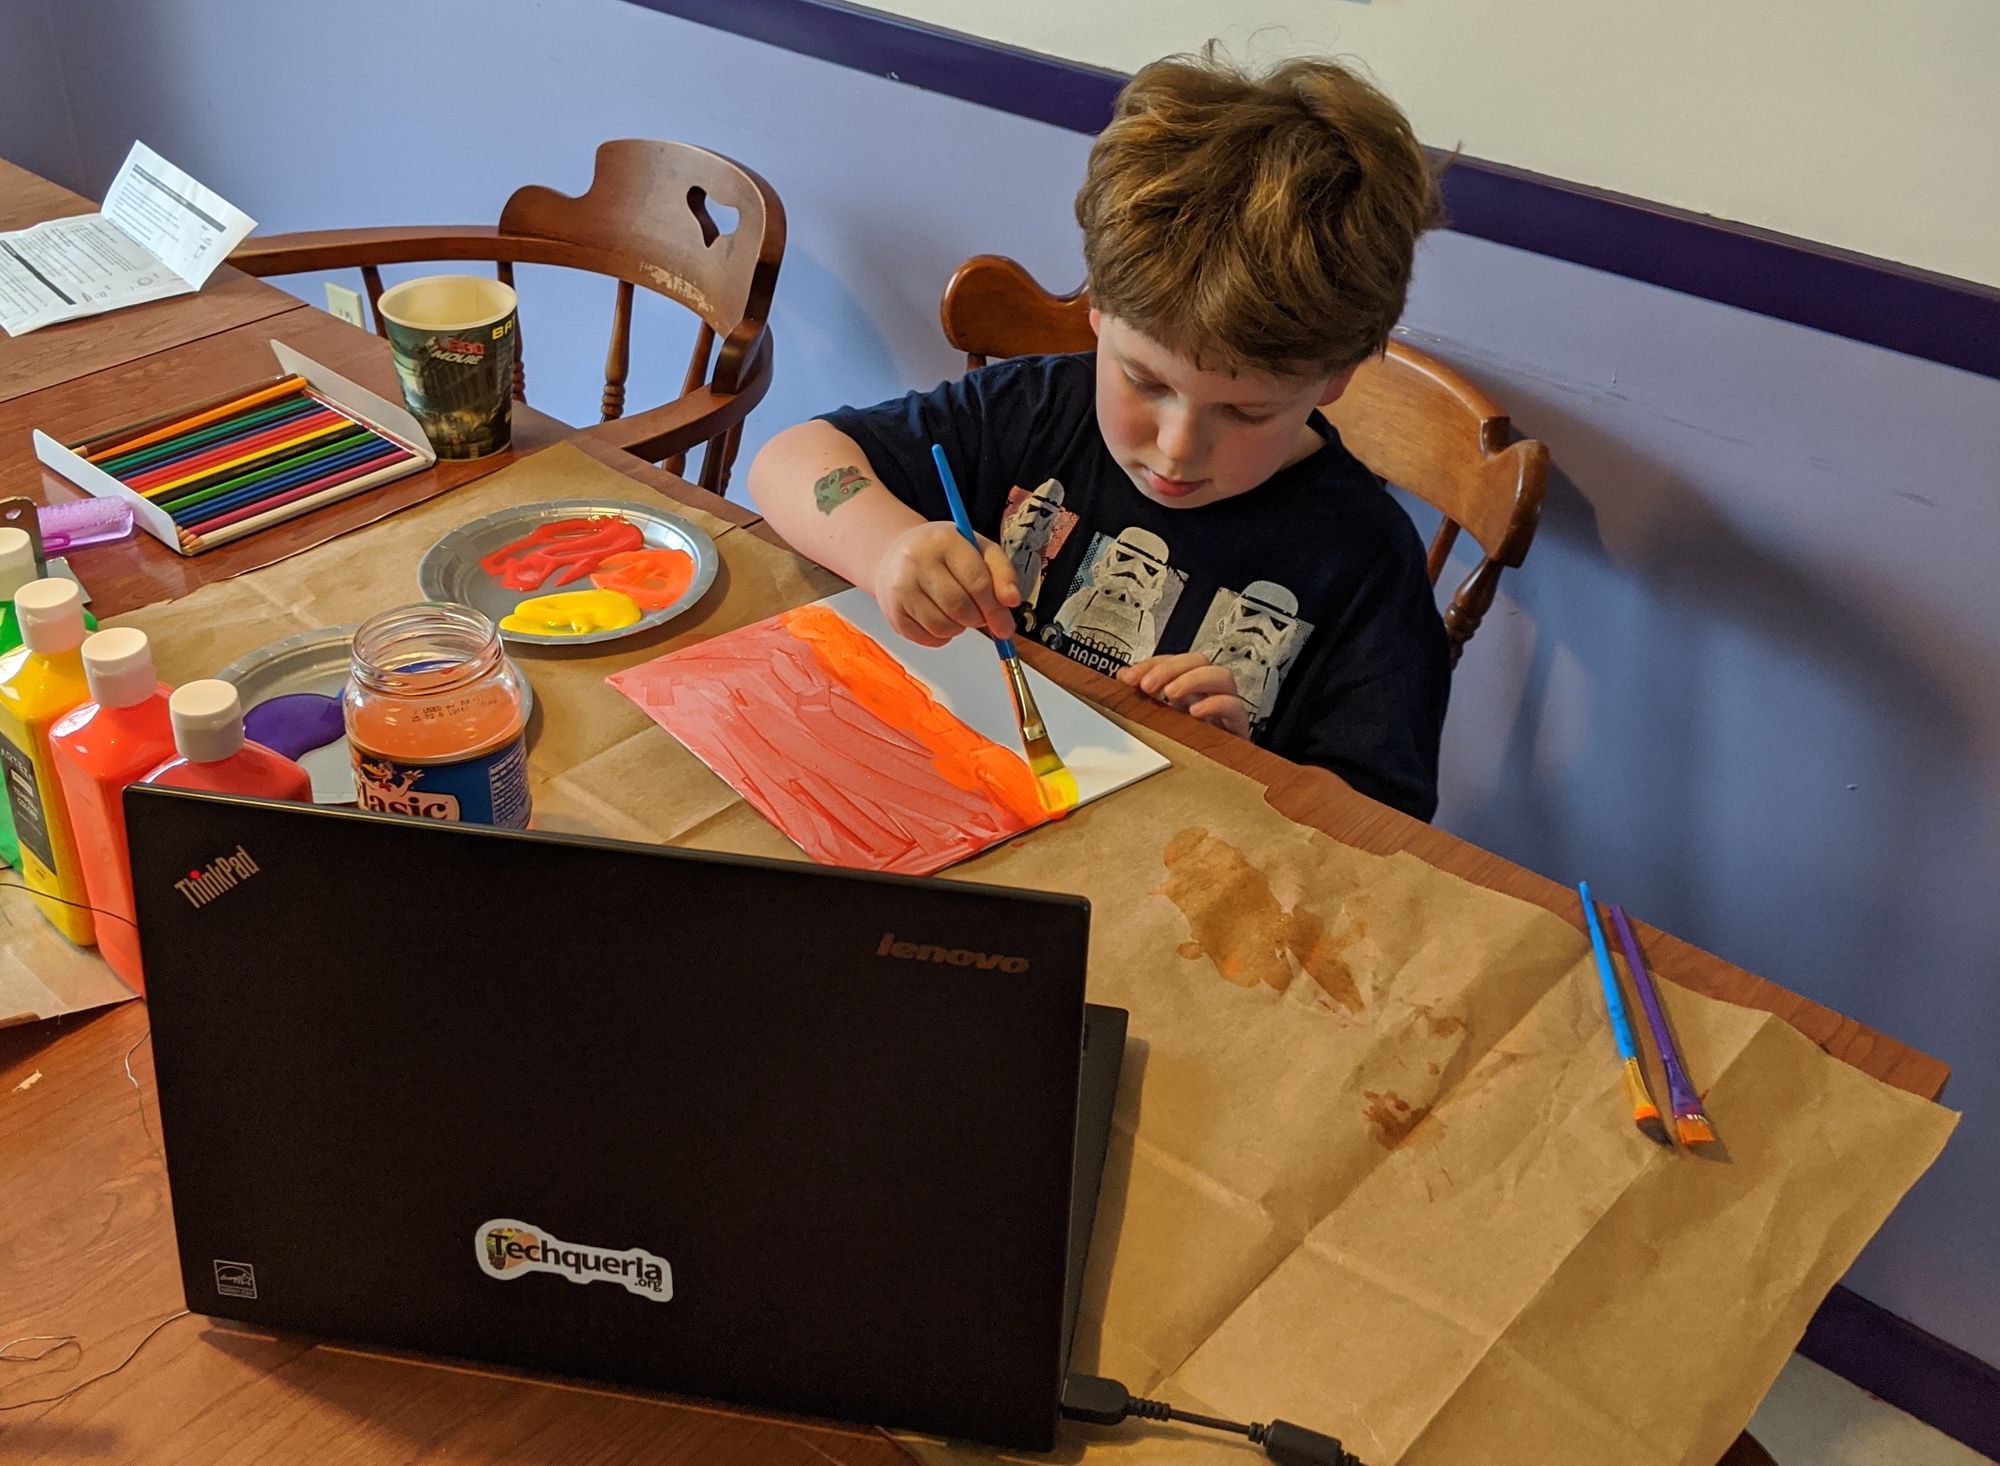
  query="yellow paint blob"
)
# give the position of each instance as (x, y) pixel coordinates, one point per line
(572, 613)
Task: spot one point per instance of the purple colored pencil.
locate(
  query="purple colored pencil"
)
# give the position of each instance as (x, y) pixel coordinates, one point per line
(1681, 1098)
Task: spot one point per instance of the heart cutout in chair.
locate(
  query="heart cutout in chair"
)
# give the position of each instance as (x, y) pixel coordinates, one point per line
(715, 219)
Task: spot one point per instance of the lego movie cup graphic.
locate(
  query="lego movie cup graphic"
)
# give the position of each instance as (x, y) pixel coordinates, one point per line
(453, 339)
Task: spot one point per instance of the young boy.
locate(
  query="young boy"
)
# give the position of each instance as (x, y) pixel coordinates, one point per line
(1172, 508)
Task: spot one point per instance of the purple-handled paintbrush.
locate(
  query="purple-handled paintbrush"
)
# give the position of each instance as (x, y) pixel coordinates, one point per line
(1690, 1125)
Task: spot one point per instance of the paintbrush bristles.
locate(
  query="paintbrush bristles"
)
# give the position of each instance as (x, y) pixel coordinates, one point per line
(1645, 1114)
(1055, 785)
(1693, 1129)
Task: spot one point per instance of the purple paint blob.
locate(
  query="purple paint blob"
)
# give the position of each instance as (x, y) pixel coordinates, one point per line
(295, 723)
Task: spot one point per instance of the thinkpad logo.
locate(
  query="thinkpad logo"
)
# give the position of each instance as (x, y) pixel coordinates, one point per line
(953, 956)
(224, 873)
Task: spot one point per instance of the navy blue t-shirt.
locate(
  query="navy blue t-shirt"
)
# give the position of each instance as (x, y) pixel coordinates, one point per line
(1310, 588)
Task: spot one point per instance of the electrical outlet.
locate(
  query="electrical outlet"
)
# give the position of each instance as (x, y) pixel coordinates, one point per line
(346, 304)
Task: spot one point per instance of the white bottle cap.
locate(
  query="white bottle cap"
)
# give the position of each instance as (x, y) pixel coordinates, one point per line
(17, 561)
(50, 615)
(208, 720)
(118, 664)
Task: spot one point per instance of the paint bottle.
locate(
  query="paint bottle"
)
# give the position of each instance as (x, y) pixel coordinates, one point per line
(17, 568)
(40, 680)
(213, 755)
(122, 733)
(434, 719)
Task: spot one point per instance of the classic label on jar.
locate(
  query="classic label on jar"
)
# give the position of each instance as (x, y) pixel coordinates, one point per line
(488, 789)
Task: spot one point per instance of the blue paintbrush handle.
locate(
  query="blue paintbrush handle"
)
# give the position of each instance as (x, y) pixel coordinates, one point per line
(1614, 1001)
(959, 517)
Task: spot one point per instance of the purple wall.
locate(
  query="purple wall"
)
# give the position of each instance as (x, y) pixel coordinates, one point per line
(1746, 682)
(35, 127)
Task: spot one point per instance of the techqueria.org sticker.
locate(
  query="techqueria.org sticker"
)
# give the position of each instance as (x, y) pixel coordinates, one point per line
(509, 1249)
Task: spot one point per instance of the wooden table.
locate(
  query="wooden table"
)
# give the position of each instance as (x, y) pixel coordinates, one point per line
(85, 1230)
(73, 349)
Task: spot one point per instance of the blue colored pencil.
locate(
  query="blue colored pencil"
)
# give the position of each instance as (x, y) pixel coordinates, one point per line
(277, 483)
(1645, 1114)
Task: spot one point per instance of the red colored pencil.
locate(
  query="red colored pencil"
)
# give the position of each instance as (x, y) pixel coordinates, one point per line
(214, 414)
(229, 448)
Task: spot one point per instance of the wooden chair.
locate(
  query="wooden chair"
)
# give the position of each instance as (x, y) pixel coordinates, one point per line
(645, 222)
(1412, 420)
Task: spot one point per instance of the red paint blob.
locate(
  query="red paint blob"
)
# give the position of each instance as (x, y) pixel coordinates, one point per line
(568, 549)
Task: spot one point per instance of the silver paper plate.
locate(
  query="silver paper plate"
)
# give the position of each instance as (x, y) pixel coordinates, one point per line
(451, 571)
(315, 661)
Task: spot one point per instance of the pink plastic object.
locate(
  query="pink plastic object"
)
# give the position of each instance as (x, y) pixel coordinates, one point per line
(82, 522)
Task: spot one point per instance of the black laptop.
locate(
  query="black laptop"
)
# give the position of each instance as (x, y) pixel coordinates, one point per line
(769, 1133)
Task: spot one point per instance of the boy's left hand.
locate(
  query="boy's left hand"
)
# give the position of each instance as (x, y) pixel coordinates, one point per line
(1195, 685)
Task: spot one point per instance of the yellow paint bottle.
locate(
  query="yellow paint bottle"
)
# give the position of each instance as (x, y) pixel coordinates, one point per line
(41, 680)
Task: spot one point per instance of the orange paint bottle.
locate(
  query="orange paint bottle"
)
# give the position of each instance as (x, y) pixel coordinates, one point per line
(117, 737)
(216, 757)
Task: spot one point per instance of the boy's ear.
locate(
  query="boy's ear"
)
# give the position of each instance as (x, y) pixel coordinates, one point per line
(1338, 385)
(1095, 317)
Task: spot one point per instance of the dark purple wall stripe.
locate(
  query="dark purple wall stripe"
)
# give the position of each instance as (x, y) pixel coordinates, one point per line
(1915, 1371)
(1942, 319)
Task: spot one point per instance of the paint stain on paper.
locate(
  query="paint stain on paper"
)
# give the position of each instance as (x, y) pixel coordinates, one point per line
(828, 737)
(1239, 924)
(1441, 1025)
(1392, 1117)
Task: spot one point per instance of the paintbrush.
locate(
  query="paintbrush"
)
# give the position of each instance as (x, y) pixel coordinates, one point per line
(1645, 1114)
(1691, 1126)
(1055, 785)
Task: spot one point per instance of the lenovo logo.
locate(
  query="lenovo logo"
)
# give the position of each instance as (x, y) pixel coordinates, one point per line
(955, 956)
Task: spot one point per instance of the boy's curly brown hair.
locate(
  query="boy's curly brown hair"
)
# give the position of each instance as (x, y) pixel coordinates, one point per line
(1264, 222)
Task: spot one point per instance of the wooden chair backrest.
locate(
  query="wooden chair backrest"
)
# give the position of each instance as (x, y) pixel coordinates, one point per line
(1413, 420)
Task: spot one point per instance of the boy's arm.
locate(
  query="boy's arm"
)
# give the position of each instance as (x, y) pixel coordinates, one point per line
(817, 489)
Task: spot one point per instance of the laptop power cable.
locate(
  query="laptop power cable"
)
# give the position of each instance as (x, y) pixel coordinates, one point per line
(1098, 1401)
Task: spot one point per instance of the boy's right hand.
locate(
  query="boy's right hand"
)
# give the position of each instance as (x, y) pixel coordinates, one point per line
(931, 585)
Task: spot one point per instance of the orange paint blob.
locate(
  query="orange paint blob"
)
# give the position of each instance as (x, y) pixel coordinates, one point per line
(879, 683)
(654, 579)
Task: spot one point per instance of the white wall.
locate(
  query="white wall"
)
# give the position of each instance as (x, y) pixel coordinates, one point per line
(1873, 125)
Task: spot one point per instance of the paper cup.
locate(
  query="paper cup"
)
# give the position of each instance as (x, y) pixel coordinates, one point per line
(453, 339)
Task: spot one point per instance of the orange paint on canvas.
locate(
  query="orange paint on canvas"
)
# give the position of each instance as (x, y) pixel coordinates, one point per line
(826, 736)
(967, 759)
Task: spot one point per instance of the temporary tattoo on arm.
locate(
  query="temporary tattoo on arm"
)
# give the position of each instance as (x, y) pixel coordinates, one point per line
(836, 488)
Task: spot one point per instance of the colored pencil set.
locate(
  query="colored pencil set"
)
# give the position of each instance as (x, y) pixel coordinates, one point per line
(1690, 1125)
(236, 464)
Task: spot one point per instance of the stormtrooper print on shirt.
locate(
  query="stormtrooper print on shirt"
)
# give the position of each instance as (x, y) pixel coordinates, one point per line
(1257, 634)
(1121, 599)
(1032, 533)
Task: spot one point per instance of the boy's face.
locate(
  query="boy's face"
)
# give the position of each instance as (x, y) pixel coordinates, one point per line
(1188, 436)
